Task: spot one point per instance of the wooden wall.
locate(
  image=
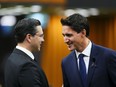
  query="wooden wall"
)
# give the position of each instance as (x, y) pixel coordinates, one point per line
(53, 51)
(36, 1)
(103, 30)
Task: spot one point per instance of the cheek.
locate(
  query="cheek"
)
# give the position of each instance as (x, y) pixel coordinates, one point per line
(73, 39)
(76, 41)
(38, 41)
(77, 38)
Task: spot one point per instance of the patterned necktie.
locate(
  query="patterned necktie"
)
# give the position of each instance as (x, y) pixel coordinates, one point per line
(82, 68)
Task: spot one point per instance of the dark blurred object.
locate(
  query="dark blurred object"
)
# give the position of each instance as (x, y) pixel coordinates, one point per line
(91, 3)
(7, 44)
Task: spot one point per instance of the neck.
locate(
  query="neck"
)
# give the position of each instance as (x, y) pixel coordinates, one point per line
(24, 46)
(84, 44)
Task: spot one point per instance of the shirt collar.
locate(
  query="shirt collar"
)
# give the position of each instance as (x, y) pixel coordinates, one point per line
(25, 51)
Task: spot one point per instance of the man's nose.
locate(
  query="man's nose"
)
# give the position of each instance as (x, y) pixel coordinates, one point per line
(66, 39)
(43, 40)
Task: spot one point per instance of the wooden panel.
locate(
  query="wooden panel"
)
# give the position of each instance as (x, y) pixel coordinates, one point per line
(38, 1)
(54, 50)
(103, 31)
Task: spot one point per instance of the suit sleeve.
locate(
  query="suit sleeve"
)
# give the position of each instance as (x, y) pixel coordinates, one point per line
(65, 80)
(112, 68)
(29, 76)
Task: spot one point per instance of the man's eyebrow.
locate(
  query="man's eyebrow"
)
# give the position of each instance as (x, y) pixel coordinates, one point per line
(67, 34)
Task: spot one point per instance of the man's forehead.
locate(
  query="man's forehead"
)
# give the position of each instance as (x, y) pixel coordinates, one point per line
(39, 28)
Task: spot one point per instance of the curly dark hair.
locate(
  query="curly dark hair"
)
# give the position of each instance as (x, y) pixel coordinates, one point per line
(77, 22)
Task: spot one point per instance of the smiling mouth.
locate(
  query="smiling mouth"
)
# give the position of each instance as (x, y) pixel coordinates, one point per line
(69, 45)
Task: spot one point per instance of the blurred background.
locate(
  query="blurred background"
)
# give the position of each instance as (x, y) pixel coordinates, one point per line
(101, 15)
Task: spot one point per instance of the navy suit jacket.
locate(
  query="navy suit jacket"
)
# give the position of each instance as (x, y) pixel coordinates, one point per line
(101, 71)
(22, 71)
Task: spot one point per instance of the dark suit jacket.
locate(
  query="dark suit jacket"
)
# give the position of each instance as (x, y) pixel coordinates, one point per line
(22, 71)
(101, 71)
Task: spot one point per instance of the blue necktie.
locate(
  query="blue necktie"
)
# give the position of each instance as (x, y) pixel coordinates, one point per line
(82, 68)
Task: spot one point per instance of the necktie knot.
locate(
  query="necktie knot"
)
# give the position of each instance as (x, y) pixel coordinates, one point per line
(81, 56)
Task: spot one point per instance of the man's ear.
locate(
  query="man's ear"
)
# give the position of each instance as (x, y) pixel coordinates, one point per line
(83, 32)
(28, 38)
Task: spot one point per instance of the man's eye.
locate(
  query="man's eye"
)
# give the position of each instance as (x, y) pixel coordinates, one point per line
(41, 35)
(68, 35)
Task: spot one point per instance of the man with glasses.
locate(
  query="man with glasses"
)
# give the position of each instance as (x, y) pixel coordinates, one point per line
(21, 69)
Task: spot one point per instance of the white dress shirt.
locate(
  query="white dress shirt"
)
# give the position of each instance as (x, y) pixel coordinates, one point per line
(86, 58)
(26, 51)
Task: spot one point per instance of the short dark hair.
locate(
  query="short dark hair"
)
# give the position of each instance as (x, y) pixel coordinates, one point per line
(77, 22)
(24, 27)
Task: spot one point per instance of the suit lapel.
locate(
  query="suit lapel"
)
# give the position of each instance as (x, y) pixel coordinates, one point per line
(92, 64)
(22, 53)
(74, 69)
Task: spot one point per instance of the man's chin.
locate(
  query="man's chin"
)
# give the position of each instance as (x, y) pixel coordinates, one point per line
(71, 49)
(38, 49)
